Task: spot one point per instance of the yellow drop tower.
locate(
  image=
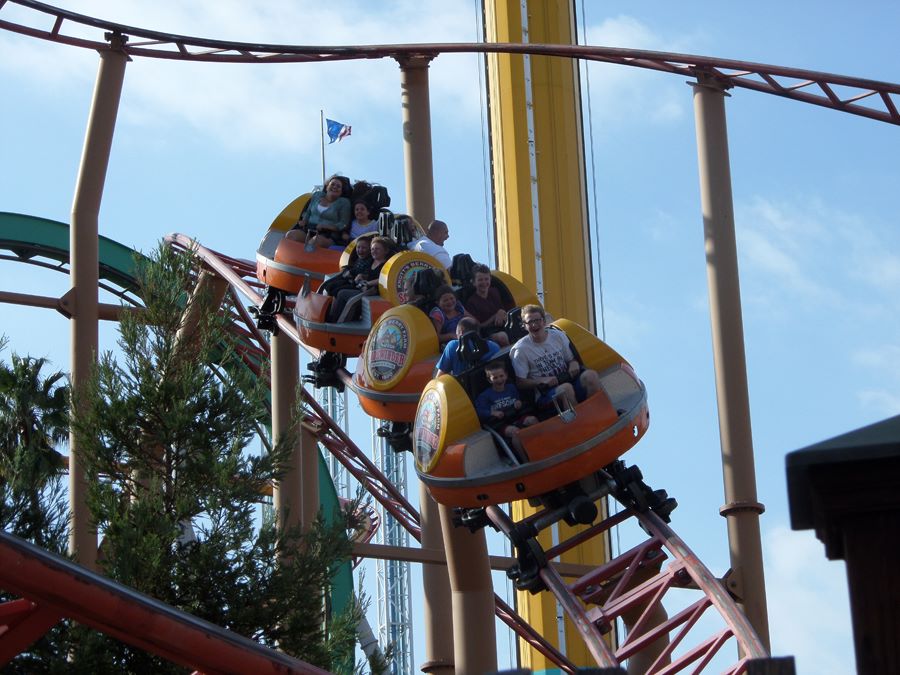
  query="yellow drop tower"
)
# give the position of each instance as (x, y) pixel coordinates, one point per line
(542, 230)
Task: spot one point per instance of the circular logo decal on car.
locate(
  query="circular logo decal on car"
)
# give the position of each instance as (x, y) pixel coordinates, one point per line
(387, 350)
(405, 275)
(427, 432)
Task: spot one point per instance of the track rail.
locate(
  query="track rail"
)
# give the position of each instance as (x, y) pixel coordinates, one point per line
(638, 581)
(854, 95)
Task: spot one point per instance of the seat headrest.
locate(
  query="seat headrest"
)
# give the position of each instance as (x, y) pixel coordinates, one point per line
(472, 347)
(426, 282)
(461, 268)
(513, 328)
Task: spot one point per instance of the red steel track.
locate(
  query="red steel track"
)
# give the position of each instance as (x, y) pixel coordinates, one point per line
(857, 96)
(52, 588)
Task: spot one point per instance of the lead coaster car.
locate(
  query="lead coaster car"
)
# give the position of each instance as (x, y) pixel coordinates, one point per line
(285, 264)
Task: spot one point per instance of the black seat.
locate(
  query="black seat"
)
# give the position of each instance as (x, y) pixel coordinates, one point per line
(461, 269)
(473, 378)
(426, 282)
(474, 381)
(399, 228)
(514, 328)
(471, 348)
(374, 196)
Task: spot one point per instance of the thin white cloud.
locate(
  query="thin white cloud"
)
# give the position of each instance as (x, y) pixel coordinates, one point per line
(622, 31)
(884, 359)
(265, 107)
(663, 227)
(625, 321)
(872, 257)
(879, 401)
(809, 615)
(699, 302)
(808, 254)
(623, 94)
(778, 265)
(54, 69)
(782, 249)
(884, 362)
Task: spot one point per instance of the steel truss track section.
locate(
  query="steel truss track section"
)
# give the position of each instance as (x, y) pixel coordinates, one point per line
(857, 96)
(638, 581)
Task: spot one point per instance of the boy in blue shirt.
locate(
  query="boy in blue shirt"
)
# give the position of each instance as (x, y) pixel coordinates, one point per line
(500, 401)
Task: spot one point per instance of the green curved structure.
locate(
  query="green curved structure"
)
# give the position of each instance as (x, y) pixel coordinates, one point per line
(28, 237)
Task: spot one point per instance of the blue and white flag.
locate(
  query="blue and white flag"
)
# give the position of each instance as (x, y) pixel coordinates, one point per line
(337, 131)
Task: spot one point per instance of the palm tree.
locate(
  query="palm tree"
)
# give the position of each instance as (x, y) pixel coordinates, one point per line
(34, 418)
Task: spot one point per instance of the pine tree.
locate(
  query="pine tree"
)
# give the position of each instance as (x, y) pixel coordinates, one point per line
(164, 429)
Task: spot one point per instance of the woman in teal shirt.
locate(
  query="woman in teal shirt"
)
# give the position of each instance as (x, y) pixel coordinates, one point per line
(327, 217)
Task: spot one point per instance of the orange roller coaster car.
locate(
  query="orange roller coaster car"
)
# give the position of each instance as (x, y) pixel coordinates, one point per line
(348, 334)
(285, 264)
(466, 464)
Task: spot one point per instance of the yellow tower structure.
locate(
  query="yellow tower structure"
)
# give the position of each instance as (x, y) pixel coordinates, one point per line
(540, 204)
(538, 157)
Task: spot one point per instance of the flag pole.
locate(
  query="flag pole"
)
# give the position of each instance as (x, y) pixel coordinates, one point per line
(322, 130)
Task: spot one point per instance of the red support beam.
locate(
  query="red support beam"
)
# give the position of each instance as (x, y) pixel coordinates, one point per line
(22, 623)
(55, 587)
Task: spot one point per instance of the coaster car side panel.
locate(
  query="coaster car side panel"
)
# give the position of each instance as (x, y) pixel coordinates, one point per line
(396, 363)
(310, 316)
(348, 338)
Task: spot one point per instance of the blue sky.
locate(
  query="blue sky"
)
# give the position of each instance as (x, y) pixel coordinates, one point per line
(215, 151)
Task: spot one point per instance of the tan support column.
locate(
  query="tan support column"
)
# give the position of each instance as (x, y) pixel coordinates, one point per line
(639, 664)
(438, 604)
(472, 597)
(207, 297)
(741, 510)
(417, 159)
(285, 378)
(419, 171)
(84, 276)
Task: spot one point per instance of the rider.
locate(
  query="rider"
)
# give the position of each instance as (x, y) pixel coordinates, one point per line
(543, 358)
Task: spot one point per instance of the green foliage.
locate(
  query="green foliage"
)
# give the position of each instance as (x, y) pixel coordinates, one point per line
(33, 421)
(177, 498)
(33, 505)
